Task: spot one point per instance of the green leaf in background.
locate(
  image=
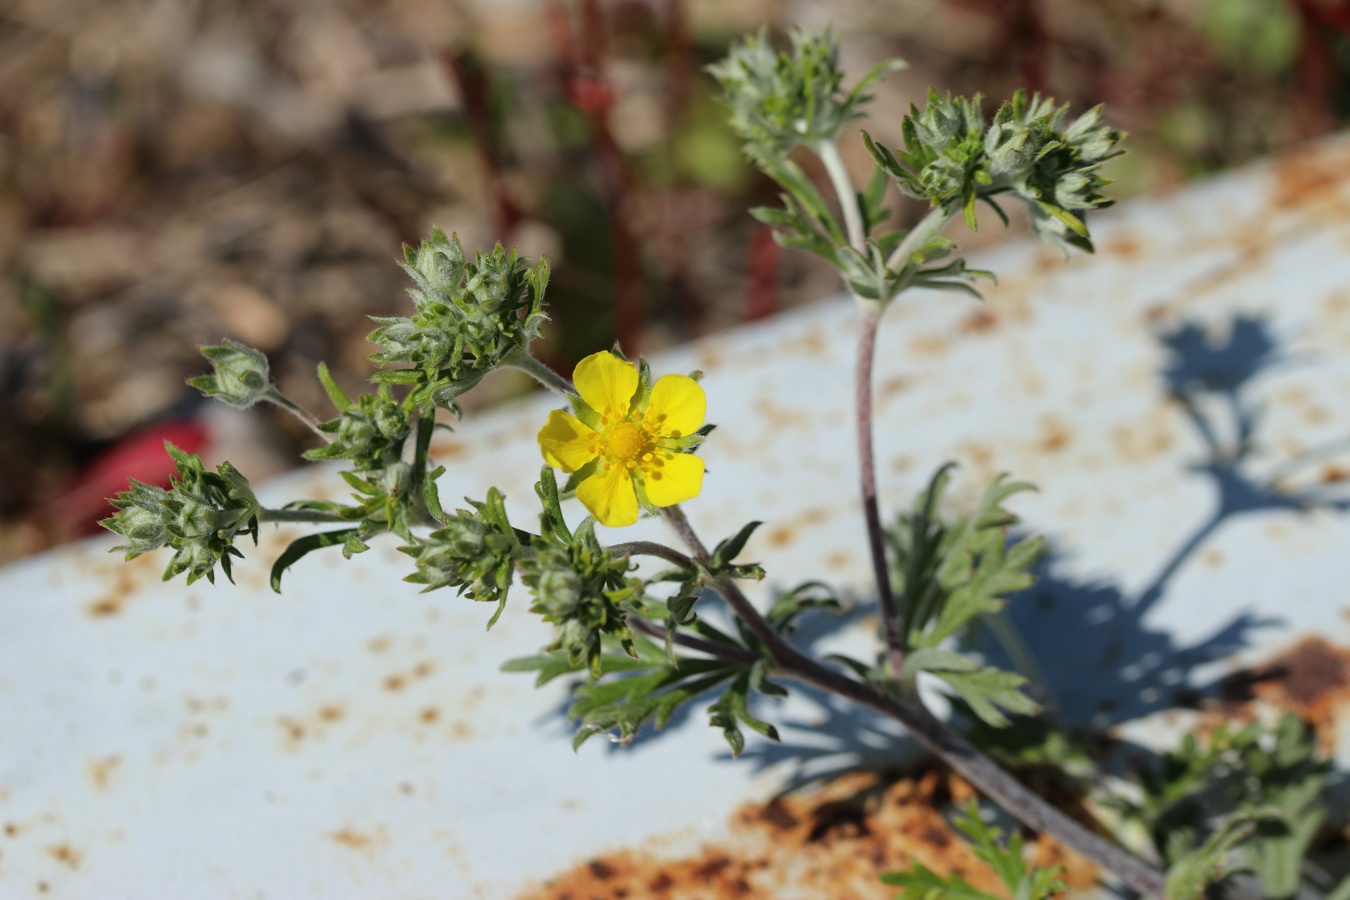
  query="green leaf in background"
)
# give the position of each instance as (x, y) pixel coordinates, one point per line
(1023, 882)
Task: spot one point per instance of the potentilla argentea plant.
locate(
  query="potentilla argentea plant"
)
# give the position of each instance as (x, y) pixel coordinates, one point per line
(628, 442)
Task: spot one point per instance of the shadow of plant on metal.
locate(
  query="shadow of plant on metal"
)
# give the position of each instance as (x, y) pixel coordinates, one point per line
(1071, 627)
(1099, 660)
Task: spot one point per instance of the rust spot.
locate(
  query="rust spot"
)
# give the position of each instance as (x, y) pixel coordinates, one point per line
(430, 715)
(783, 534)
(810, 344)
(1212, 558)
(379, 644)
(890, 387)
(1305, 175)
(353, 839)
(929, 345)
(782, 418)
(451, 449)
(777, 814)
(829, 843)
(331, 713)
(395, 683)
(1156, 314)
(1056, 436)
(295, 732)
(126, 580)
(1123, 244)
(1311, 679)
(66, 855)
(11, 830)
(981, 456)
(839, 559)
(1333, 474)
(209, 704)
(112, 603)
(43, 887)
(707, 356)
(982, 321)
(108, 606)
(100, 770)
(423, 669)
(1144, 441)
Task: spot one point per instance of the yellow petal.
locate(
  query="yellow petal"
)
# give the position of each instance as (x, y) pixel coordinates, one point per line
(609, 496)
(673, 478)
(606, 383)
(565, 441)
(677, 407)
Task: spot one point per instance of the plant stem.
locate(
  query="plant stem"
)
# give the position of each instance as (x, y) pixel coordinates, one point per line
(867, 481)
(295, 409)
(693, 642)
(651, 548)
(298, 515)
(949, 746)
(541, 373)
(426, 424)
(675, 518)
(929, 227)
(828, 151)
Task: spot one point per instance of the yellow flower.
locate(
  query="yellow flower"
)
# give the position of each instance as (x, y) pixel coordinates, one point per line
(631, 440)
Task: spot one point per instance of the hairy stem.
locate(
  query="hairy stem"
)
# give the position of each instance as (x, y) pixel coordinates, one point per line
(675, 518)
(949, 746)
(651, 548)
(929, 227)
(867, 482)
(426, 424)
(693, 642)
(298, 515)
(828, 151)
(275, 396)
(539, 372)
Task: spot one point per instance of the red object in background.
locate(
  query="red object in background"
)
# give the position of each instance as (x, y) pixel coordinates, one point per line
(761, 269)
(77, 509)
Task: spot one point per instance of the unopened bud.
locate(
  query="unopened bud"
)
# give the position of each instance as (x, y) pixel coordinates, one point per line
(240, 375)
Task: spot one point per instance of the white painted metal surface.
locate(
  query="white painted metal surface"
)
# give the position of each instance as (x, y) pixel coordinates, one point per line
(351, 738)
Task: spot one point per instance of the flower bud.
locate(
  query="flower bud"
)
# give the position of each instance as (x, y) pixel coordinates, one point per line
(240, 375)
(1011, 147)
(196, 559)
(143, 529)
(558, 591)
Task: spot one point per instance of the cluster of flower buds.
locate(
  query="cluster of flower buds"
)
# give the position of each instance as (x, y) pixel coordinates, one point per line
(1054, 167)
(199, 517)
(475, 551)
(945, 146)
(369, 431)
(583, 591)
(953, 160)
(470, 316)
(780, 100)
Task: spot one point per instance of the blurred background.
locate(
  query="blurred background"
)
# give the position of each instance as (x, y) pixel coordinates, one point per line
(173, 172)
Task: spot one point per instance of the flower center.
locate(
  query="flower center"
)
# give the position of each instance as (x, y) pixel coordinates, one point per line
(625, 441)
